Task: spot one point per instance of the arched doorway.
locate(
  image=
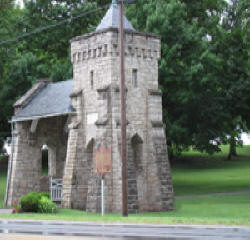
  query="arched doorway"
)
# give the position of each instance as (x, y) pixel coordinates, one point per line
(134, 167)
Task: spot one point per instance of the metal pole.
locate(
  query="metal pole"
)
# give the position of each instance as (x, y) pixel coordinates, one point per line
(123, 117)
(10, 164)
(103, 206)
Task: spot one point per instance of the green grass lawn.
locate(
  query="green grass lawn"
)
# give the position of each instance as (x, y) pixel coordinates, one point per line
(196, 173)
(2, 190)
(229, 210)
(3, 176)
(193, 173)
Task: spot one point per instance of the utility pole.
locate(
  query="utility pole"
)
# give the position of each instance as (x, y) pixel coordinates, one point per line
(123, 111)
(123, 117)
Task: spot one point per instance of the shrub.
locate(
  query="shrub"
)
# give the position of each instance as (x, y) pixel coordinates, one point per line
(38, 202)
(44, 194)
(45, 205)
(3, 157)
(29, 202)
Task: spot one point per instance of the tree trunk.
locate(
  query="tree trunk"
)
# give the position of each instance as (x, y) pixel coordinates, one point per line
(170, 151)
(232, 149)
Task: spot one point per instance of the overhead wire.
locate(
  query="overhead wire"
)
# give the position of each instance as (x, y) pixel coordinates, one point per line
(38, 30)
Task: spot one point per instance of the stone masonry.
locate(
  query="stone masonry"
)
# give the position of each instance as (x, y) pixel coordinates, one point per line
(27, 166)
(96, 117)
(96, 98)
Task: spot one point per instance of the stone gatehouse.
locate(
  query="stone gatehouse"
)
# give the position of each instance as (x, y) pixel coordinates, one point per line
(72, 116)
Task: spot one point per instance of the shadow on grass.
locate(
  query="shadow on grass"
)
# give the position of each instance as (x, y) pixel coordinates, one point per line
(210, 162)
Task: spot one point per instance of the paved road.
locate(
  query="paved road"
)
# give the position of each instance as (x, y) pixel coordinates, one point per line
(48, 229)
(39, 237)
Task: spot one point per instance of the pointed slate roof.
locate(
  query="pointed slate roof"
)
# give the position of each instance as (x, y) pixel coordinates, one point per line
(51, 100)
(112, 19)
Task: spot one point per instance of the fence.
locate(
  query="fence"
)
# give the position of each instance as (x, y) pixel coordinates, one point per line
(56, 189)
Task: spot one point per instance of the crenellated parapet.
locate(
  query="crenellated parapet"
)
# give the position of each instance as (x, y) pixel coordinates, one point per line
(106, 44)
(112, 50)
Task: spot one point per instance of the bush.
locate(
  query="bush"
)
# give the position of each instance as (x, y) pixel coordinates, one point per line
(44, 194)
(29, 202)
(45, 205)
(38, 202)
(3, 157)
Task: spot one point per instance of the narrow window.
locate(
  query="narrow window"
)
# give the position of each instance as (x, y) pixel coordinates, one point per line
(134, 78)
(45, 161)
(92, 79)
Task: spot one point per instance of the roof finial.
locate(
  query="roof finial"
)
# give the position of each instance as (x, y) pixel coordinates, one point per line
(111, 18)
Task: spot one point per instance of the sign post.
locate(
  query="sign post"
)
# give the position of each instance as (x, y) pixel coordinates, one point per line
(123, 111)
(103, 165)
(103, 204)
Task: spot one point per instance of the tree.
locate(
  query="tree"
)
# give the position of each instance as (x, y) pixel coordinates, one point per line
(232, 47)
(193, 105)
(44, 54)
(9, 27)
(52, 46)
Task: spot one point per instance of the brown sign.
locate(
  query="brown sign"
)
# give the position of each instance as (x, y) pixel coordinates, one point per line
(103, 162)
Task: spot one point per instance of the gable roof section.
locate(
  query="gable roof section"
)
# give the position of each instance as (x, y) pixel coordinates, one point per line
(112, 20)
(52, 100)
(32, 92)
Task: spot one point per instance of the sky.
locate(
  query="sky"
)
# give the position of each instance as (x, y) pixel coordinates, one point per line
(20, 3)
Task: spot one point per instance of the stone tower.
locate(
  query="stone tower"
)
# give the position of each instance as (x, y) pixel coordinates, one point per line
(96, 99)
